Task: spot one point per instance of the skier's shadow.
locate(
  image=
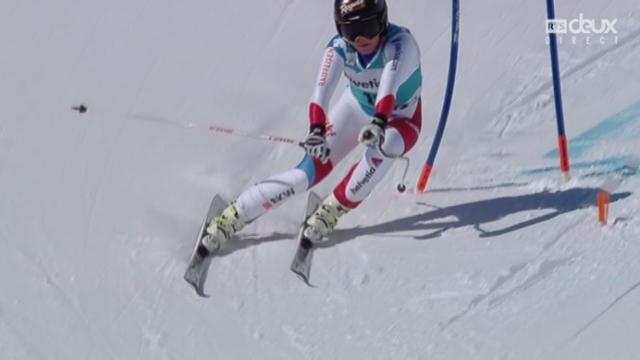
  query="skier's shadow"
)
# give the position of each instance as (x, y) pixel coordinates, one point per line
(477, 213)
(437, 221)
(245, 241)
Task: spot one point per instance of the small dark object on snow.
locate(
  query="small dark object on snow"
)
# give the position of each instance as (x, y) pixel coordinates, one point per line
(81, 108)
(401, 188)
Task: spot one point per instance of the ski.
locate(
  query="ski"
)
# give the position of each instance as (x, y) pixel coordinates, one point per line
(198, 268)
(301, 264)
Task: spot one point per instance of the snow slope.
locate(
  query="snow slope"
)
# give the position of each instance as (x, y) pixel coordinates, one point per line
(498, 260)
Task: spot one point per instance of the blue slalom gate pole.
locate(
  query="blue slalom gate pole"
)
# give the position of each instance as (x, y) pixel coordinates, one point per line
(446, 106)
(557, 90)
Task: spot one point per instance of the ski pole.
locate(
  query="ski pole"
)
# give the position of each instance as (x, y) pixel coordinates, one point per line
(220, 130)
(273, 138)
(216, 129)
(446, 106)
(402, 185)
(246, 134)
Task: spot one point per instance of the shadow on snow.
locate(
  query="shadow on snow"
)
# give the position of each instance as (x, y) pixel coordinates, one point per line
(432, 224)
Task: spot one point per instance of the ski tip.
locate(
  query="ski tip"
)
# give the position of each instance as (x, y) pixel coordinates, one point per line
(304, 279)
(199, 290)
(202, 294)
(196, 282)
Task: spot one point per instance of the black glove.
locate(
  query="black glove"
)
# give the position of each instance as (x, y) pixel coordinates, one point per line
(315, 144)
(372, 135)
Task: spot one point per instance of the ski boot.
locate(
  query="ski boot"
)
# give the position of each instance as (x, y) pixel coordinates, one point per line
(325, 219)
(221, 229)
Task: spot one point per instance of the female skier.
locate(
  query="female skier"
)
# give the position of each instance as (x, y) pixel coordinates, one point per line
(380, 108)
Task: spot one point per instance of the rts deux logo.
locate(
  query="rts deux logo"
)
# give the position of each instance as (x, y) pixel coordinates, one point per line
(584, 30)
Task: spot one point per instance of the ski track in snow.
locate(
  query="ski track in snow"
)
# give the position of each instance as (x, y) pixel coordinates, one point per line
(70, 303)
(523, 106)
(606, 310)
(545, 267)
(592, 60)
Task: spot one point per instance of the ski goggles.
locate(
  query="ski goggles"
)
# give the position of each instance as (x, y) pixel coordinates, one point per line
(368, 28)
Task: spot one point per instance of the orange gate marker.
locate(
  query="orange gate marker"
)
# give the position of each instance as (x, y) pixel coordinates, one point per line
(603, 199)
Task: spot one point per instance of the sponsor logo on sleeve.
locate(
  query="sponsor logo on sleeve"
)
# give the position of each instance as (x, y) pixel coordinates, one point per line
(326, 67)
(397, 44)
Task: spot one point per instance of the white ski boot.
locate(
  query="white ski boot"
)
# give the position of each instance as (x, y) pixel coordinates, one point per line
(222, 228)
(325, 219)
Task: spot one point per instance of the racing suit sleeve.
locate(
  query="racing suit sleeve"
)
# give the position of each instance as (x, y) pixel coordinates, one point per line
(331, 69)
(401, 67)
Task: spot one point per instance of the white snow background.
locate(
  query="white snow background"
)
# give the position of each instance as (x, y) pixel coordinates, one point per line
(498, 260)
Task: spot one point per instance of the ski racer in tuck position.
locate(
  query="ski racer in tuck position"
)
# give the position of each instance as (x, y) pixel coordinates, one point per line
(381, 108)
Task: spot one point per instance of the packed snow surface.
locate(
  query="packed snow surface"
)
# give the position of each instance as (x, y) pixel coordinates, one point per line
(499, 259)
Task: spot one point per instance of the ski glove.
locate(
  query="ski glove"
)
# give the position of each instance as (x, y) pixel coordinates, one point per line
(316, 145)
(372, 135)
